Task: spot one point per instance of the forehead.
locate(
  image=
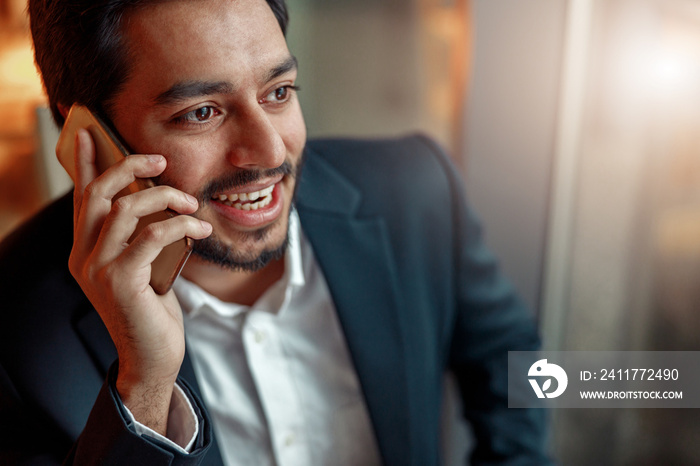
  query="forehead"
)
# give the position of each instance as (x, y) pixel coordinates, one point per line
(181, 40)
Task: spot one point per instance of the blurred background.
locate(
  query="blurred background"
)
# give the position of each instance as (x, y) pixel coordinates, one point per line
(576, 124)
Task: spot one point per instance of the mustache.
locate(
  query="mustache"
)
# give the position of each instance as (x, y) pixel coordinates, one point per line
(240, 178)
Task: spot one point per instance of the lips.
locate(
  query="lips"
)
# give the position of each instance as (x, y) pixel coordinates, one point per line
(252, 208)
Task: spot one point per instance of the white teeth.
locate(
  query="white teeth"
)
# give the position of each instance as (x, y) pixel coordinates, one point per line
(264, 202)
(264, 196)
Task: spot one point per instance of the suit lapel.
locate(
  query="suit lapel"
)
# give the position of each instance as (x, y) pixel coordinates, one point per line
(355, 256)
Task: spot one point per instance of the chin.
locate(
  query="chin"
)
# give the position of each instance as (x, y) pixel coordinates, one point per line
(217, 251)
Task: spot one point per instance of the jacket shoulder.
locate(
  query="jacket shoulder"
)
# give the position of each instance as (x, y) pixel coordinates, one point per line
(34, 279)
(411, 171)
(37, 248)
(410, 154)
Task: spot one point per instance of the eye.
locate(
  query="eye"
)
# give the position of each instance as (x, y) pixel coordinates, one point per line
(199, 115)
(203, 114)
(279, 95)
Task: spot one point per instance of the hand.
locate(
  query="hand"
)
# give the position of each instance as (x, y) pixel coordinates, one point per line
(147, 328)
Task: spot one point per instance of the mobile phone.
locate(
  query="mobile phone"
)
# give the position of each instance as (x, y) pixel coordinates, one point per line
(109, 150)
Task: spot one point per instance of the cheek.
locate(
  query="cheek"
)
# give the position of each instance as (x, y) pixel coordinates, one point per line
(188, 165)
(293, 132)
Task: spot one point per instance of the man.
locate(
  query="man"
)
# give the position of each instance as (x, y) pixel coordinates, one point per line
(317, 329)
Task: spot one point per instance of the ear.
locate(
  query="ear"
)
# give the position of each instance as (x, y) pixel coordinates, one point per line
(63, 109)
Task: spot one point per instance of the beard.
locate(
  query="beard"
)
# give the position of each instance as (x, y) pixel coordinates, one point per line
(214, 250)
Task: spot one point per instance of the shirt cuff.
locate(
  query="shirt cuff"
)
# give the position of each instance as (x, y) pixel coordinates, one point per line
(183, 425)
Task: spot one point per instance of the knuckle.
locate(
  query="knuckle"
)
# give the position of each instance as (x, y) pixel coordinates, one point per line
(153, 232)
(92, 272)
(193, 223)
(109, 274)
(132, 163)
(159, 193)
(74, 266)
(166, 192)
(110, 279)
(122, 204)
(91, 190)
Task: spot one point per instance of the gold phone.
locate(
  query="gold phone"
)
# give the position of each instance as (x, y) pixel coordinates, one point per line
(109, 150)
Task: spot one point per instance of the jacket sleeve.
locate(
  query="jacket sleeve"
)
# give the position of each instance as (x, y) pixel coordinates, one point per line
(110, 438)
(490, 320)
(48, 380)
(107, 439)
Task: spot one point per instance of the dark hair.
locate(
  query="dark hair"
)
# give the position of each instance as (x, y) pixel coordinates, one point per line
(80, 51)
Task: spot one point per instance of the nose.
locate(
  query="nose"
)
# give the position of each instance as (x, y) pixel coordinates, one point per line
(256, 141)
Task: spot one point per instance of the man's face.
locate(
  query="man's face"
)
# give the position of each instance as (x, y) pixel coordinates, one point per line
(212, 90)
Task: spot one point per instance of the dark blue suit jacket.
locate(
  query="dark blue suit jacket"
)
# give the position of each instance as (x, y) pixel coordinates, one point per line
(417, 293)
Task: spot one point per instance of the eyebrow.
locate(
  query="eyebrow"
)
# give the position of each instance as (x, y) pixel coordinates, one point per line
(189, 89)
(286, 66)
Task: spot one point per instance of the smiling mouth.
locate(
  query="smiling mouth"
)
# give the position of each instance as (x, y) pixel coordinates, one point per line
(247, 201)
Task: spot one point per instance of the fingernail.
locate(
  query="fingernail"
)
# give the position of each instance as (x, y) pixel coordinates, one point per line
(155, 158)
(206, 225)
(191, 199)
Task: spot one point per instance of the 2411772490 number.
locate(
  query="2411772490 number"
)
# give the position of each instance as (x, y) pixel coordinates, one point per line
(639, 374)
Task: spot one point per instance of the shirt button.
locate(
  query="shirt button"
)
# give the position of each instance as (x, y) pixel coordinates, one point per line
(259, 336)
(289, 440)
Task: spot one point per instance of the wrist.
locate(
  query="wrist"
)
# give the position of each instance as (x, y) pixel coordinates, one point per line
(148, 398)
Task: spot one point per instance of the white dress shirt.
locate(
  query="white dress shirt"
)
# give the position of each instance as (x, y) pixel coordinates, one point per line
(277, 377)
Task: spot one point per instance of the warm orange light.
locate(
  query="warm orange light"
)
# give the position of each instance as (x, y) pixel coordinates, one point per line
(18, 75)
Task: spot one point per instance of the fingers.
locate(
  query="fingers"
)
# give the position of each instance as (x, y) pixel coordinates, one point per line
(144, 249)
(85, 170)
(114, 270)
(126, 212)
(84, 158)
(106, 218)
(94, 203)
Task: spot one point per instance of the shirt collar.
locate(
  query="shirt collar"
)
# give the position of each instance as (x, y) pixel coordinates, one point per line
(294, 267)
(195, 300)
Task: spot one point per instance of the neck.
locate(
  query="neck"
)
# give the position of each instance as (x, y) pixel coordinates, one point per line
(232, 286)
